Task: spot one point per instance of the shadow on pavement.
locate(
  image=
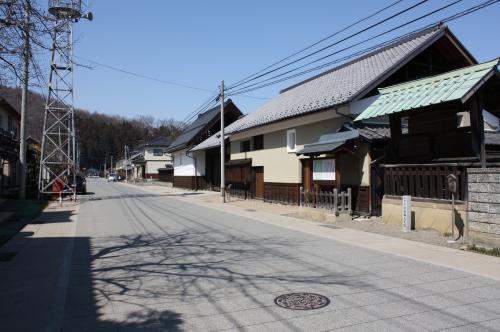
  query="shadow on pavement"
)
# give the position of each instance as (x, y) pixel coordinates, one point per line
(53, 217)
(122, 196)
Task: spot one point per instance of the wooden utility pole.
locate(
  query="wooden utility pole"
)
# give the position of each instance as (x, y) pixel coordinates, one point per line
(222, 146)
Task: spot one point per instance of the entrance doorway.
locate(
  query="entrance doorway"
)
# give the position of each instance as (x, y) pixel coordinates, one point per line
(258, 182)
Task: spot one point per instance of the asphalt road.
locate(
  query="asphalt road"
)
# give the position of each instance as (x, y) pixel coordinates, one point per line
(145, 261)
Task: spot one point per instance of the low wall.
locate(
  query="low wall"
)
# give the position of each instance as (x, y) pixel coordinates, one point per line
(153, 176)
(189, 182)
(285, 193)
(426, 214)
(484, 206)
(323, 215)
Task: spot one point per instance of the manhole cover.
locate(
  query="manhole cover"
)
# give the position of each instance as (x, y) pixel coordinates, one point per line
(7, 256)
(302, 301)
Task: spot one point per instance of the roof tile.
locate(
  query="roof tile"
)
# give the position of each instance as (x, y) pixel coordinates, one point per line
(335, 87)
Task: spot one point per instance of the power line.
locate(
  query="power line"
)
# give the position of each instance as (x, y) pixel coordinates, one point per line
(333, 44)
(159, 80)
(353, 45)
(358, 53)
(151, 78)
(318, 42)
(204, 106)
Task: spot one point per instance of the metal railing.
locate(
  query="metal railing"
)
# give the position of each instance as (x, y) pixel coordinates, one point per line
(238, 190)
(327, 200)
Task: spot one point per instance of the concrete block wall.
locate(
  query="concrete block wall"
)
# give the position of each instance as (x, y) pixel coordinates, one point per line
(484, 206)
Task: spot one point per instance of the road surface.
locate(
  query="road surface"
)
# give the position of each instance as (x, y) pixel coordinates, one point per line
(152, 262)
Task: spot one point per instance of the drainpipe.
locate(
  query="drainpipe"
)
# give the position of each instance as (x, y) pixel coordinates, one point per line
(195, 171)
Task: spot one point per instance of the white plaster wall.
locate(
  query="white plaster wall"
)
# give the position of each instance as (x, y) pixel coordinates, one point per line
(152, 166)
(280, 165)
(185, 166)
(166, 158)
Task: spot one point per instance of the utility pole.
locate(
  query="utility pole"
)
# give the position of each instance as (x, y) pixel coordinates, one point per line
(222, 145)
(126, 164)
(111, 166)
(105, 168)
(24, 97)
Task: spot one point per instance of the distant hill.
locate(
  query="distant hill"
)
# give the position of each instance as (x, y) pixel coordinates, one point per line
(99, 135)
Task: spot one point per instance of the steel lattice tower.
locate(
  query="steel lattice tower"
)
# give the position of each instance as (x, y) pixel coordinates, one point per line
(58, 155)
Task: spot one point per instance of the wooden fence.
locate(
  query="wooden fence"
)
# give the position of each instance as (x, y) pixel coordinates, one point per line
(328, 200)
(424, 181)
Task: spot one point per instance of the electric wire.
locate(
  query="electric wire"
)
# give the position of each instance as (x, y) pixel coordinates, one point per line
(142, 75)
(318, 42)
(358, 53)
(332, 44)
(353, 45)
(159, 80)
(200, 109)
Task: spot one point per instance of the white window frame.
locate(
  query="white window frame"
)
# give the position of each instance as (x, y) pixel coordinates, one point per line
(289, 134)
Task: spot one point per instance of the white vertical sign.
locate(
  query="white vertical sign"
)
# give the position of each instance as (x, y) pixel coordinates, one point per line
(406, 213)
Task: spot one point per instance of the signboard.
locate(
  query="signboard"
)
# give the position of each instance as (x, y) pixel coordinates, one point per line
(324, 169)
(406, 213)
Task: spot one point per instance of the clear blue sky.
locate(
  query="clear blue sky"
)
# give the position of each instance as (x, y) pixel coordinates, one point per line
(198, 43)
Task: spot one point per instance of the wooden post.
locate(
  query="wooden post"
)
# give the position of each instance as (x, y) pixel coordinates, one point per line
(395, 125)
(477, 129)
(300, 195)
(335, 200)
(349, 201)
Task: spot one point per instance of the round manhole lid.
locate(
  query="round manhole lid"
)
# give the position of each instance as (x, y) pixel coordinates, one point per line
(302, 301)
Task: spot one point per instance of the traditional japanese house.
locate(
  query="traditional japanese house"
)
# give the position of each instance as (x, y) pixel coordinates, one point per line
(197, 168)
(437, 129)
(273, 149)
(9, 147)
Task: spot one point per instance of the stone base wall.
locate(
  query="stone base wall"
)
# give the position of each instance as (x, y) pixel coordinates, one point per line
(426, 214)
(484, 206)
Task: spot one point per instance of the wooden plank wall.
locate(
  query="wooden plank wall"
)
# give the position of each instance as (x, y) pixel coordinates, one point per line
(285, 193)
(424, 181)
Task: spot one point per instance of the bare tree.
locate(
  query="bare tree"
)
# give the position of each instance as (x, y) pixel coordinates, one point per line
(12, 31)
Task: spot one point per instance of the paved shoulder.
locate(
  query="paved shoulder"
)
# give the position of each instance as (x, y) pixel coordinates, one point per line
(33, 283)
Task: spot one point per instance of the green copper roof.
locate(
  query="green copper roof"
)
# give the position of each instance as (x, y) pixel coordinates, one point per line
(450, 86)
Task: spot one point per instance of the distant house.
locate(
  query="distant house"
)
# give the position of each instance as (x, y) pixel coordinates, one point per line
(149, 159)
(439, 129)
(197, 169)
(138, 164)
(298, 138)
(9, 147)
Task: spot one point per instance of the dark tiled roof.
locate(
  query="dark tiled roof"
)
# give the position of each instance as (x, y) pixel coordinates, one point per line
(370, 131)
(340, 85)
(319, 148)
(239, 162)
(197, 127)
(211, 142)
(329, 142)
(160, 141)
